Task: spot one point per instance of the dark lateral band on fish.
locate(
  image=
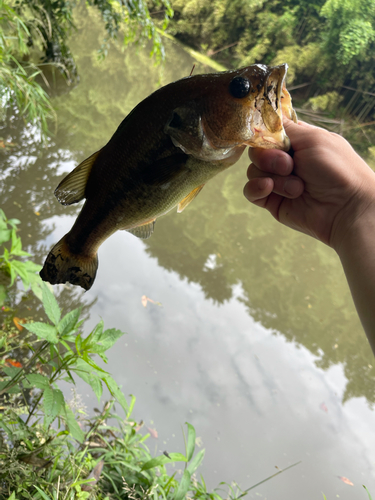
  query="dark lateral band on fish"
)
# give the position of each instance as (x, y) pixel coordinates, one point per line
(162, 155)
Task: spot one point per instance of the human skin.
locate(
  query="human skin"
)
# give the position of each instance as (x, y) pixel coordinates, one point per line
(326, 191)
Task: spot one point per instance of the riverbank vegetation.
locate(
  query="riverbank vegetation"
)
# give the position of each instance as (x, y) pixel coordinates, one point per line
(328, 44)
(34, 42)
(50, 447)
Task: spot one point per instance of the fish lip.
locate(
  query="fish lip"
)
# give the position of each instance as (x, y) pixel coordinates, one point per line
(283, 69)
(264, 134)
(281, 84)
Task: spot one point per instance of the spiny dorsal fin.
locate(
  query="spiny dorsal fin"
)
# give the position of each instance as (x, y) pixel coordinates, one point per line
(144, 231)
(189, 198)
(72, 188)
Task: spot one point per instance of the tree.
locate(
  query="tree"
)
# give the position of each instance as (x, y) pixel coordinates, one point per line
(34, 34)
(328, 44)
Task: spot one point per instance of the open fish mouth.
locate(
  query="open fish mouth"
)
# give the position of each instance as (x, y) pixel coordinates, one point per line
(272, 103)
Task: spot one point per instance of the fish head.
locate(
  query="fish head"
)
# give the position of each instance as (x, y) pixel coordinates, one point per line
(246, 107)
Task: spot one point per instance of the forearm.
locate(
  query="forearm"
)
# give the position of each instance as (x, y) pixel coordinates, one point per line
(357, 254)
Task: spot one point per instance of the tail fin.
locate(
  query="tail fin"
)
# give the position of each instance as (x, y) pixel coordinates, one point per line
(61, 266)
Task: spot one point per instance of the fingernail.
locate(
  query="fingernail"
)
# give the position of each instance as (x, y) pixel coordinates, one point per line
(292, 187)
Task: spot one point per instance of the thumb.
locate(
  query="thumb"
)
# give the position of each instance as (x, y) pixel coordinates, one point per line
(299, 133)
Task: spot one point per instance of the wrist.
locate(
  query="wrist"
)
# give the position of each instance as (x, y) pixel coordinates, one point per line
(354, 232)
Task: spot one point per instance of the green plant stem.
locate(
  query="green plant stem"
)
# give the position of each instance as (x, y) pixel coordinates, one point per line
(34, 408)
(15, 379)
(264, 480)
(96, 423)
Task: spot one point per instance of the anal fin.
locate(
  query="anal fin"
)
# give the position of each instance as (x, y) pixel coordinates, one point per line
(143, 231)
(189, 198)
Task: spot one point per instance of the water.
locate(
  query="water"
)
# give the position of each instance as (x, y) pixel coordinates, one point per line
(256, 343)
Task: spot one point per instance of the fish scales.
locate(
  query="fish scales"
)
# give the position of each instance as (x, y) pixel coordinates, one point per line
(161, 156)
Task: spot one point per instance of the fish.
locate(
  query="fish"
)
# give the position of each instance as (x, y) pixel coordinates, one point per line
(161, 156)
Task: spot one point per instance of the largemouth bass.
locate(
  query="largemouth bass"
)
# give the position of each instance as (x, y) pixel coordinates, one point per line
(162, 155)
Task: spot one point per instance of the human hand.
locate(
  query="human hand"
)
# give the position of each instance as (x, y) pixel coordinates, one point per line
(322, 191)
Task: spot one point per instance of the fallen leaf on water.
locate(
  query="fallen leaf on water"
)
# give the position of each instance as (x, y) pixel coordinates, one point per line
(146, 299)
(17, 322)
(13, 362)
(323, 407)
(153, 432)
(345, 480)
(95, 475)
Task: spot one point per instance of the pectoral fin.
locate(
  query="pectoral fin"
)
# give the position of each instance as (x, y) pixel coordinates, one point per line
(185, 128)
(189, 198)
(72, 188)
(143, 231)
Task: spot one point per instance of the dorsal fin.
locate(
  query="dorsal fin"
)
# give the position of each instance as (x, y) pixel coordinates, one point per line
(189, 198)
(72, 188)
(144, 231)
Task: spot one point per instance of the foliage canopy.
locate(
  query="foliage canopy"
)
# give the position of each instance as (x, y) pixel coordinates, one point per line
(328, 44)
(34, 38)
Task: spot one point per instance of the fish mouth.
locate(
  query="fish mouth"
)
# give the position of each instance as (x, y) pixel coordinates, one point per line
(272, 103)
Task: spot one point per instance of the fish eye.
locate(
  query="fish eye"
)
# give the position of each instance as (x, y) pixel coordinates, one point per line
(239, 87)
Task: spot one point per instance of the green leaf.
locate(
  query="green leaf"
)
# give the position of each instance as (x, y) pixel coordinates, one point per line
(11, 371)
(367, 492)
(36, 288)
(195, 463)
(16, 248)
(84, 371)
(3, 383)
(53, 403)
(183, 487)
(131, 406)
(43, 495)
(13, 390)
(163, 459)
(116, 392)
(50, 305)
(78, 343)
(109, 337)
(7, 429)
(92, 363)
(43, 331)
(32, 267)
(190, 441)
(97, 387)
(13, 222)
(12, 496)
(38, 381)
(5, 235)
(73, 426)
(95, 335)
(3, 294)
(69, 321)
(19, 268)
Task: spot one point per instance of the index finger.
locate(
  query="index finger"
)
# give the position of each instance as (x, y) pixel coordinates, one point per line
(273, 161)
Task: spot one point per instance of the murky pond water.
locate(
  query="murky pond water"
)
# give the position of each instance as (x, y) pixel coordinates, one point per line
(257, 342)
